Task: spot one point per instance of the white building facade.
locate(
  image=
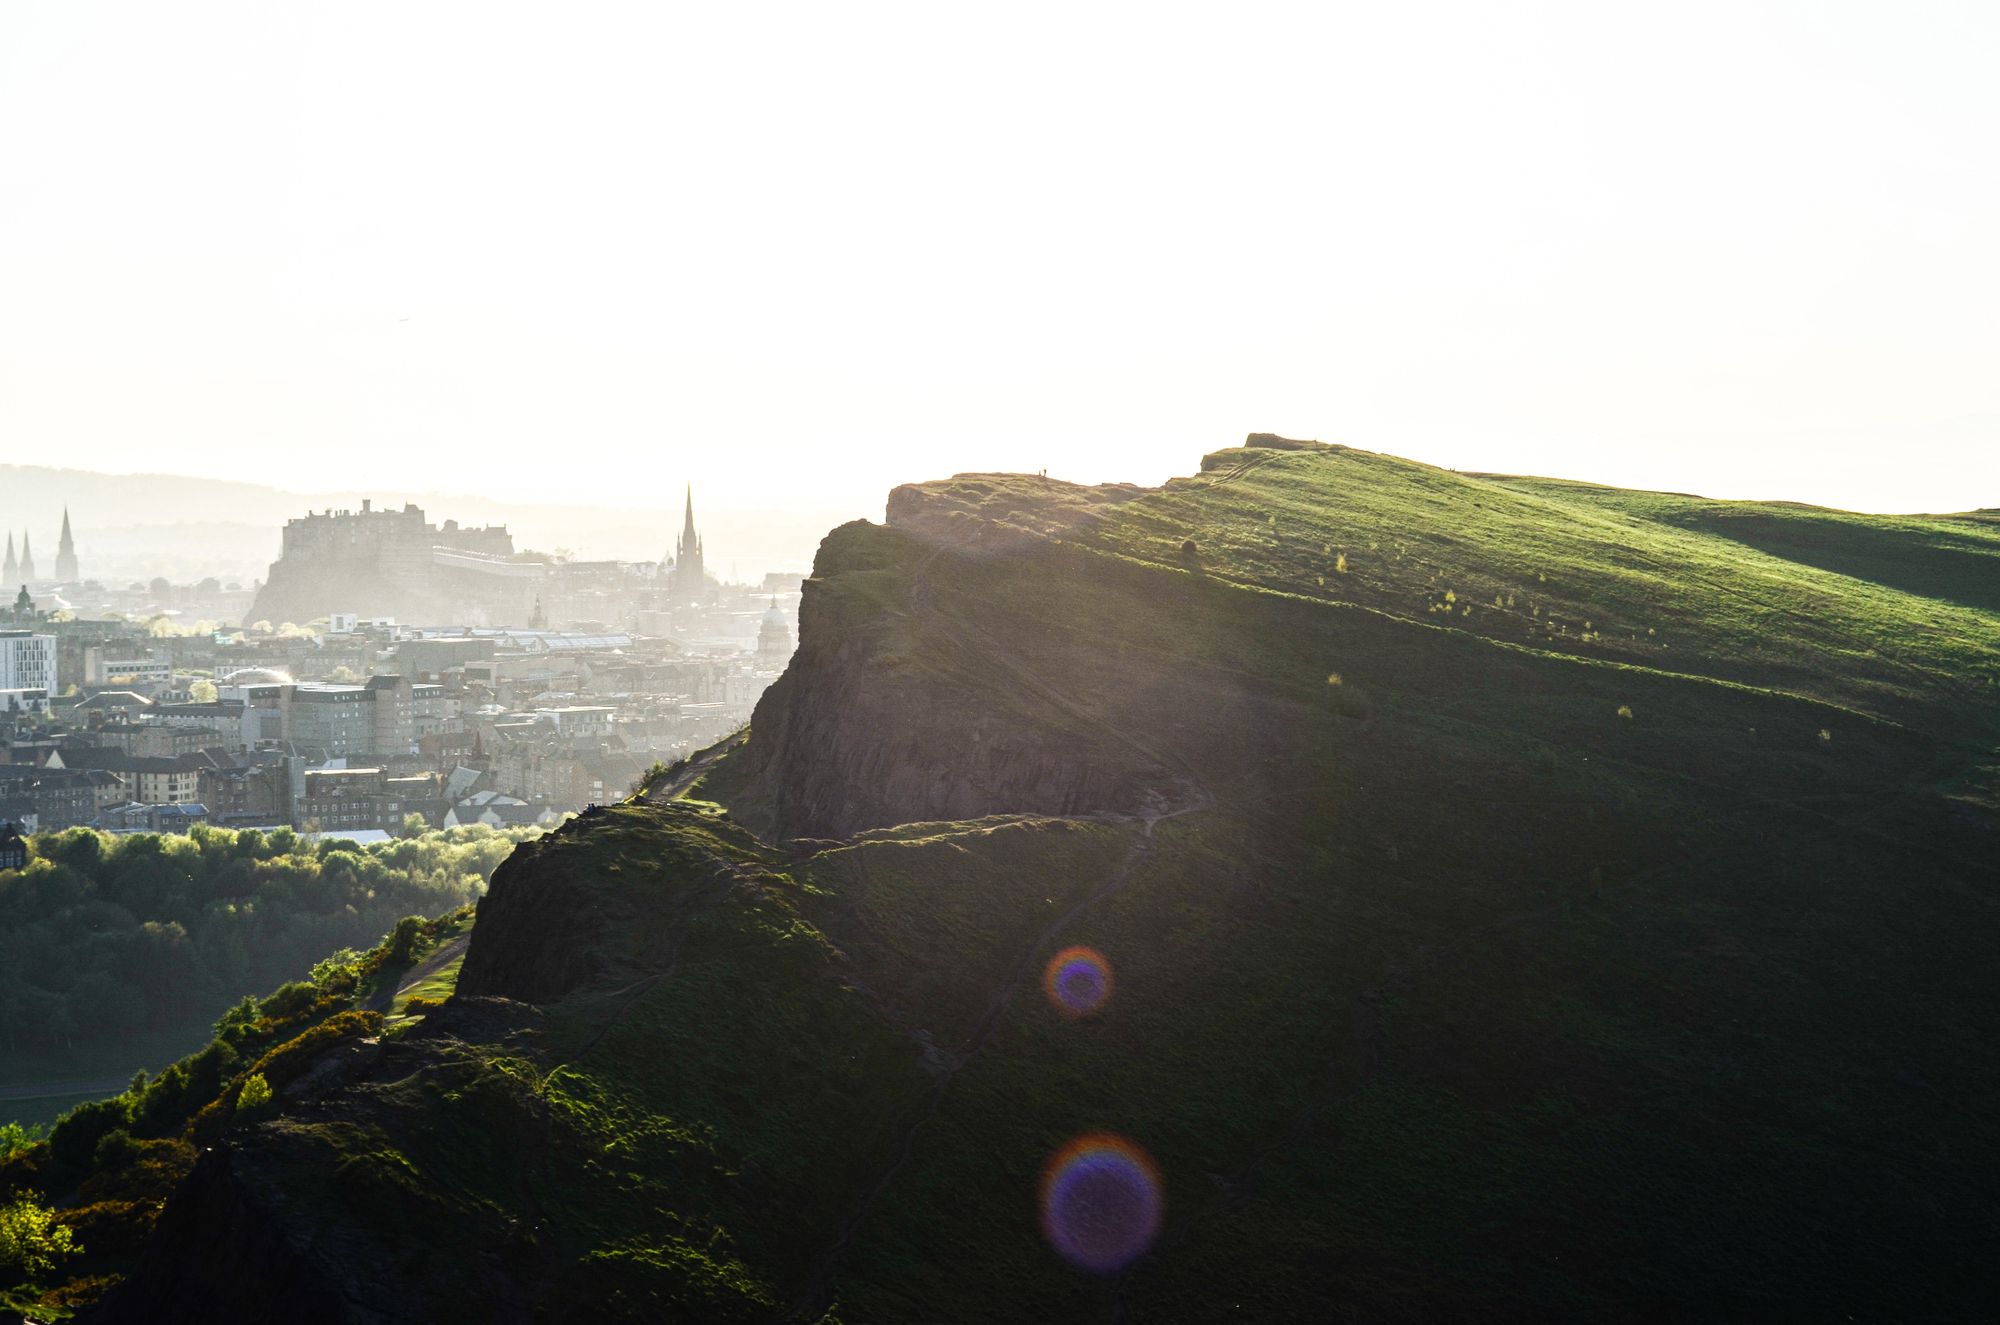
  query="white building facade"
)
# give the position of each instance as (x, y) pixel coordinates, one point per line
(27, 661)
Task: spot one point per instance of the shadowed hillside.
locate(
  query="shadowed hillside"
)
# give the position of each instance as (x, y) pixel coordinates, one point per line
(1521, 903)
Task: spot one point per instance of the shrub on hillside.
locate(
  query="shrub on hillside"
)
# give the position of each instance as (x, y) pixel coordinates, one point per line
(32, 1242)
(651, 778)
(289, 1061)
(407, 941)
(14, 1138)
(254, 1100)
(280, 1067)
(115, 1150)
(289, 1001)
(149, 1173)
(74, 1140)
(110, 1229)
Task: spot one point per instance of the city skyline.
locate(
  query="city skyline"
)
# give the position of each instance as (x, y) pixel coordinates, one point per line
(232, 528)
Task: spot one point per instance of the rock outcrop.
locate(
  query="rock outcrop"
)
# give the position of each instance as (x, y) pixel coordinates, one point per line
(951, 667)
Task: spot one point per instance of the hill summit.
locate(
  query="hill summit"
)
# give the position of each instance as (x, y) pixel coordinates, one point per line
(1323, 885)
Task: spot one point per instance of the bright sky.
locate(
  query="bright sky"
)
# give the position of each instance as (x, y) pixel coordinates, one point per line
(798, 254)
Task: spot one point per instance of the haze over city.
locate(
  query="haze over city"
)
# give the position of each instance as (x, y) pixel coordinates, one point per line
(800, 254)
(1080, 662)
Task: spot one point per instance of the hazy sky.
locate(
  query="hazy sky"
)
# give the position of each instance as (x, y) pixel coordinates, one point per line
(800, 253)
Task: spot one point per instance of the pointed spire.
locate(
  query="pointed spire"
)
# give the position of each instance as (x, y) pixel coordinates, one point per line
(13, 567)
(688, 576)
(27, 558)
(66, 570)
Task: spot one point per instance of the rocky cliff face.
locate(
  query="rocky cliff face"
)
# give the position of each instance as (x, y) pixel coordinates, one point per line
(561, 915)
(543, 930)
(952, 666)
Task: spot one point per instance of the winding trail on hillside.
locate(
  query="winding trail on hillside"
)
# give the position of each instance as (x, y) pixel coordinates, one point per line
(676, 786)
(382, 1000)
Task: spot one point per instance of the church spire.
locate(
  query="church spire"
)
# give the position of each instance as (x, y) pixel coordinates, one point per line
(13, 567)
(689, 581)
(27, 571)
(66, 570)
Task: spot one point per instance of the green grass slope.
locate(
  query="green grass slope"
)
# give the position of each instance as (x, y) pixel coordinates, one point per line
(1954, 558)
(1890, 615)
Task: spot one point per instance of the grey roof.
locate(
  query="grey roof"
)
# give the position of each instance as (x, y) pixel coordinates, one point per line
(104, 756)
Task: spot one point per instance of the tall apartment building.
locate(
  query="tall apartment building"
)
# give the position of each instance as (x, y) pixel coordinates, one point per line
(434, 710)
(339, 719)
(27, 661)
(395, 715)
(349, 721)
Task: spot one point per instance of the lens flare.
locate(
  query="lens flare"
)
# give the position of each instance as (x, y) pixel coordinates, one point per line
(1101, 1202)
(1077, 981)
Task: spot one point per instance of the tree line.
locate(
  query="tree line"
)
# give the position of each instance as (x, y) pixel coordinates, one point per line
(104, 939)
(78, 1201)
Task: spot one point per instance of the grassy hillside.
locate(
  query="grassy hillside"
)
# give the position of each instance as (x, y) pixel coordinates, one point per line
(1887, 615)
(1953, 558)
(1619, 951)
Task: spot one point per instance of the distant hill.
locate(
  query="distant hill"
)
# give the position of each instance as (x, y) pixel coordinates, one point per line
(135, 526)
(1323, 886)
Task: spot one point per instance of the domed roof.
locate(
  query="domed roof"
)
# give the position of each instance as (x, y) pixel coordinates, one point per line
(256, 676)
(775, 615)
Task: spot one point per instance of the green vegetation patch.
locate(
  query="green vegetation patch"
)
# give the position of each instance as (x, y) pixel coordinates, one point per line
(1890, 615)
